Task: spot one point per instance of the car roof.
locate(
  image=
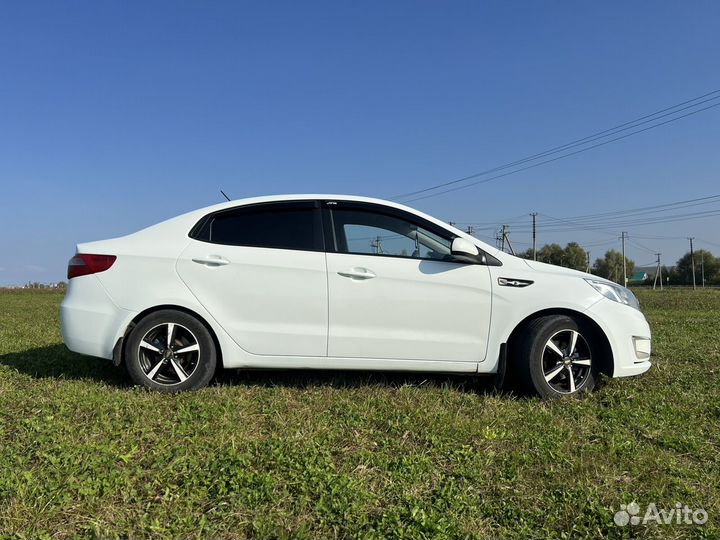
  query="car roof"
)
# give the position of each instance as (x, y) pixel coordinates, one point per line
(310, 196)
(189, 219)
(306, 196)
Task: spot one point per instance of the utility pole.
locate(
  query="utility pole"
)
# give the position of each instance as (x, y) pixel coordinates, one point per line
(702, 268)
(534, 214)
(658, 272)
(506, 238)
(692, 259)
(588, 262)
(623, 237)
(502, 239)
(377, 245)
(498, 239)
(470, 230)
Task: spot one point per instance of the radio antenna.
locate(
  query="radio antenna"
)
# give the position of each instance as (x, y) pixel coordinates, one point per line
(223, 193)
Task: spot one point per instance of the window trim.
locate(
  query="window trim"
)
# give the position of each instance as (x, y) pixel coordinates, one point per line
(202, 229)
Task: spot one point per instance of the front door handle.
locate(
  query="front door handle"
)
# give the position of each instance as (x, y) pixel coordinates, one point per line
(358, 273)
(211, 260)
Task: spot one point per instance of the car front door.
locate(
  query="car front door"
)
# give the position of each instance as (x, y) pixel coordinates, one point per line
(396, 293)
(260, 272)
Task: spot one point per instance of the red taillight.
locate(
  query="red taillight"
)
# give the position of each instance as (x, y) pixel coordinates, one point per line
(83, 264)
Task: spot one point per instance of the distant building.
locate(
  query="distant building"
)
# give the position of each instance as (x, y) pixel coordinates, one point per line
(638, 277)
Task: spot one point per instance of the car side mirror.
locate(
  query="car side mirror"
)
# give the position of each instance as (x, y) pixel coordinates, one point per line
(464, 250)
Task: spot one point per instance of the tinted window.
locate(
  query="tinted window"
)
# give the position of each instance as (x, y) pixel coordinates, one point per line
(371, 233)
(270, 226)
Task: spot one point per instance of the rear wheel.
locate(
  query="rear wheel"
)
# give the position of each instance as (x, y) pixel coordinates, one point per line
(170, 351)
(555, 357)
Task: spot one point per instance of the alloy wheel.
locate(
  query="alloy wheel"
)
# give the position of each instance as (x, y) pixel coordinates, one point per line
(169, 354)
(566, 361)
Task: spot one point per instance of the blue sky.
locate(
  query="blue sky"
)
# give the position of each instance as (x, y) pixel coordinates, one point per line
(116, 115)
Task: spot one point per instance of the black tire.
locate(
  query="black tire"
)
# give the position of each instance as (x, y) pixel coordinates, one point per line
(152, 364)
(547, 368)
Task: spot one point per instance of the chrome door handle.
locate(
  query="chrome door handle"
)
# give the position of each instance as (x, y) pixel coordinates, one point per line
(358, 273)
(211, 260)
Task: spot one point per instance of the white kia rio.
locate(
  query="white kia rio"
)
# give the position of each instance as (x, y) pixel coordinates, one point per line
(341, 282)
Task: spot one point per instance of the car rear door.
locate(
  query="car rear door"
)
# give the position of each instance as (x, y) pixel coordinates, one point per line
(260, 271)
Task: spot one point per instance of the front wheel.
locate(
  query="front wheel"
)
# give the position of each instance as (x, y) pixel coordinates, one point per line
(170, 351)
(556, 357)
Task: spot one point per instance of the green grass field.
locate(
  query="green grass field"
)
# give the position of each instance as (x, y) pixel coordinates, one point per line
(303, 454)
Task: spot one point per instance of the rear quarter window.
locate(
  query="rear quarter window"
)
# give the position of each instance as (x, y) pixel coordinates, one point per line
(279, 226)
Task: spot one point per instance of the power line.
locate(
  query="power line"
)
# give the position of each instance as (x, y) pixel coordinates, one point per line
(657, 237)
(622, 219)
(585, 140)
(639, 245)
(615, 214)
(566, 225)
(514, 219)
(657, 219)
(577, 224)
(707, 242)
(525, 160)
(640, 217)
(598, 244)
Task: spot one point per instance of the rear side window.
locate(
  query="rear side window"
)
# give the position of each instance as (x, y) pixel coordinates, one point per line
(280, 226)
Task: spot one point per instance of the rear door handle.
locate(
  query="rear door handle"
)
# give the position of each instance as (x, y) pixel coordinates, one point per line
(211, 260)
(358, 273)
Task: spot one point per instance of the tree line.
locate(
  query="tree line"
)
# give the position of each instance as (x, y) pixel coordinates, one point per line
(610, 266)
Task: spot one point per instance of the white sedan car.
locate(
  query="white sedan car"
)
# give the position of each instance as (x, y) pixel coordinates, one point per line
(341, 282)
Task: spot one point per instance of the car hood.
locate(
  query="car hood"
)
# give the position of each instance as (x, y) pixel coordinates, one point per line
(561, 271)
(558, 270)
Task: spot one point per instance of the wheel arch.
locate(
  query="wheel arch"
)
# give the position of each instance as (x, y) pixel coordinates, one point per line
(119, 349)
(606, 354)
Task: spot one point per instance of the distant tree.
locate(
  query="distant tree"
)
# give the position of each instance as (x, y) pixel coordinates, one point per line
(574, 256)
(551, 254)
(527, 254)
(611, 266)
(673, 275)
(704, 258)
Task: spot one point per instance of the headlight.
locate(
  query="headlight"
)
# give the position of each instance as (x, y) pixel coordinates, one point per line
(615, 292)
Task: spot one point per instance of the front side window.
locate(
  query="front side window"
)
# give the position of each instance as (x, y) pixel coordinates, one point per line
(279, 226)
(373, 233)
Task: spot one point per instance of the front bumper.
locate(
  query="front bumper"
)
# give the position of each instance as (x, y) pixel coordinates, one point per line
(629, 335)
